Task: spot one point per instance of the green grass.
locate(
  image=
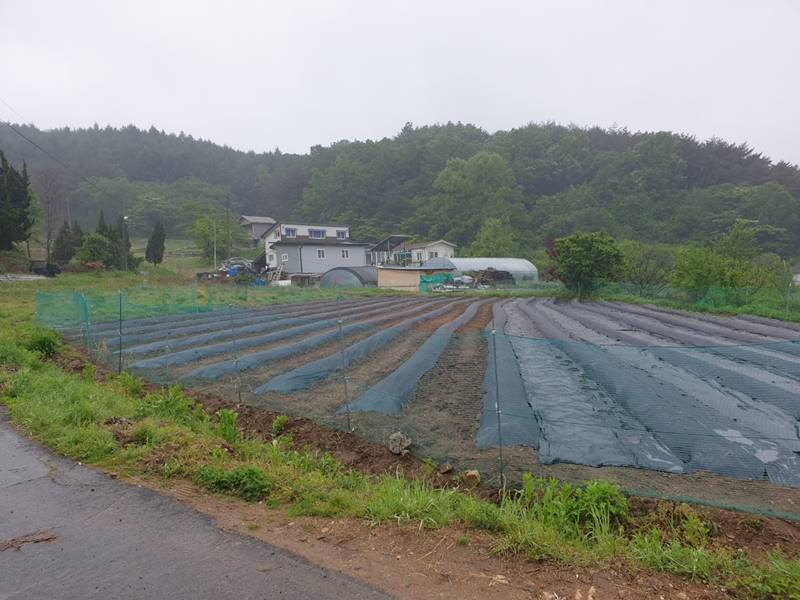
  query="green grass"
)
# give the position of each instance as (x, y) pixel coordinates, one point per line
(116, 425)
(770, 303)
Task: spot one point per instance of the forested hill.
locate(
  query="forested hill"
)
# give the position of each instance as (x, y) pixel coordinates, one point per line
(443, 181)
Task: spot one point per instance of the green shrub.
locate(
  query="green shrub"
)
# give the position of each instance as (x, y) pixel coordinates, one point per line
(173, 405)
(81, 413)
(132, 385)
(13, 355)
(226, 425)
(44, 342)
(88, 372)
(279, 425)
(249, 482)
(144, 434)
(696, 563)
(480, 514)
(695, 530)
(397, 499)
(778, 578)
(595, 508)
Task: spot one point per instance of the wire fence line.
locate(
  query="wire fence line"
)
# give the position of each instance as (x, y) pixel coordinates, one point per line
(715, 423)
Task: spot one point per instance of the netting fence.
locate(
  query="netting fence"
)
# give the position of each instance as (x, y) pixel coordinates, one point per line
(663, 402)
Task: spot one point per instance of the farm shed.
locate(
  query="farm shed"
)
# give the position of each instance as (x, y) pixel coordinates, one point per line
(405, 278)
(519, 268)
(352, 277)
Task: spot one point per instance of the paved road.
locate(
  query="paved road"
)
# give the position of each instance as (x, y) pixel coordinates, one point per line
(114, 540)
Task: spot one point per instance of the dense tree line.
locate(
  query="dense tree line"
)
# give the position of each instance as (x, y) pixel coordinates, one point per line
(453, 181)
(16, 214)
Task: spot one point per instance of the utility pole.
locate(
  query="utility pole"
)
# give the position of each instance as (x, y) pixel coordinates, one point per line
(228, 222)
(214, 224)
(123, 237)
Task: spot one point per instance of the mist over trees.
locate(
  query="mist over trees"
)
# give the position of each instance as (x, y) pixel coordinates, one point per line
(542, 181)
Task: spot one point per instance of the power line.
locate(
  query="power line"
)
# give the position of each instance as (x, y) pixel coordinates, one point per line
(12, 109)
(35, 145)
(42, 150)
(26, 138)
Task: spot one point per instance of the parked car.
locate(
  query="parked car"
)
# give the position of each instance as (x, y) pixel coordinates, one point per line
(41, 267)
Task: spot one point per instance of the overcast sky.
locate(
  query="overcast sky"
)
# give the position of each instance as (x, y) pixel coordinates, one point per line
(256, 75)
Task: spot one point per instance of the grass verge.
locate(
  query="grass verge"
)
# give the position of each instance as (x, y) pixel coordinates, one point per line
(117, 424)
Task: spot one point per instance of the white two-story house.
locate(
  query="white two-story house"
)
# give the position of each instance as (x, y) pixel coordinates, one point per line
(307, 248)
(398, 250)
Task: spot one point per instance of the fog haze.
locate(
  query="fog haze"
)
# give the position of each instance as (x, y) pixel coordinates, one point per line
(256, 76)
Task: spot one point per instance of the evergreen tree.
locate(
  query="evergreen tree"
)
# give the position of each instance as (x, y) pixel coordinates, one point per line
(102, 228)
(16, 217)
(77, 233)
(64, 245)
(154, 253)
(122, 258)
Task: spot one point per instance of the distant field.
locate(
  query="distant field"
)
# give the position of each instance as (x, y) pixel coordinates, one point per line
(180, 256)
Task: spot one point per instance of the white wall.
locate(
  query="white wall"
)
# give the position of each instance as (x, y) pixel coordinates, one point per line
(438, 250)
(303, 231)
(312, 263)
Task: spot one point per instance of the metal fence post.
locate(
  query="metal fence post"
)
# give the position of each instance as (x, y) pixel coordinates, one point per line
(235, 357)
(84, 308)
(166, 369)
(119, 349)
(497, 410)
(344, 373)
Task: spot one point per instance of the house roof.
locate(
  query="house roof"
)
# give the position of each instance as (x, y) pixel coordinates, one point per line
(392, 242)
(426, 244)
(314, 242)
(251, 219)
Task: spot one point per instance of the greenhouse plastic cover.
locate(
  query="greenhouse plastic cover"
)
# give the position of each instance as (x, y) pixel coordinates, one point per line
(517, 422)
(233, 328)
(302, 325)
(256, 359)
(519, 266)
(392, 392)
(307, 375)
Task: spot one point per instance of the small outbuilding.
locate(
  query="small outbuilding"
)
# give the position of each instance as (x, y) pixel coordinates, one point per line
(520, 269)
(350, 277)
(405, 279)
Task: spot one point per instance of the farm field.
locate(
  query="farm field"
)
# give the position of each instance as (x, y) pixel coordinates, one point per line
(659, 401)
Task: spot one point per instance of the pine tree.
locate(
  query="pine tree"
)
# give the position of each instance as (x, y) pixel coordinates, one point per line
(64, 245)
(102, 228)
(154, 253)
(77, 234)
(16, 217)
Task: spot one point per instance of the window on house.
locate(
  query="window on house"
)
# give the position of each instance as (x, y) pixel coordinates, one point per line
(290, 232)
(433, 254)
(316, 233)
(341, 234)
(419, 256)
(271, 258)
(320, 253)
(345, 253)
(284, 257)
(277, 234)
